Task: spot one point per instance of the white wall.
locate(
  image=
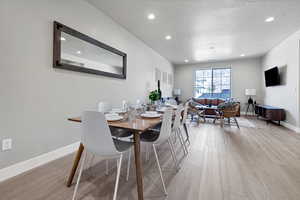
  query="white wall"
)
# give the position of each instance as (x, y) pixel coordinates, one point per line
(36, 99)
(286, 96)
(245, 73)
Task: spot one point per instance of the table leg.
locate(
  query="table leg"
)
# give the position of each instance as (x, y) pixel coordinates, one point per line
(75, 165)
(138, 166)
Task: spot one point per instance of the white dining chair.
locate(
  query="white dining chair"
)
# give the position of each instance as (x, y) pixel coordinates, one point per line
(97, 139)
(104, 107)
(157, 138)
(184, 122)
(177, 128)
(117, 133)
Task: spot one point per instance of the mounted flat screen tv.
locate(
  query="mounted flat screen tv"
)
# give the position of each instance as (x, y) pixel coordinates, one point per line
(272, 77)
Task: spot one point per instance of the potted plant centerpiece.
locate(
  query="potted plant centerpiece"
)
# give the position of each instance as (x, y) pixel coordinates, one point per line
(154, 96)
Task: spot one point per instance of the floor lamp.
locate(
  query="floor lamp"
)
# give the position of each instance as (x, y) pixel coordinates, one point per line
(250, 105)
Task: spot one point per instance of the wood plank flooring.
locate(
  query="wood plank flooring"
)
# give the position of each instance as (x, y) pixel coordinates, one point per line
(253, 163)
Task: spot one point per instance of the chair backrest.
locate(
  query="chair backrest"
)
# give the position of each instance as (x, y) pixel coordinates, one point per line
(177, 117)
(166, 127)
(185, 112)
(96, 136)
(104, 106)
(231, 111)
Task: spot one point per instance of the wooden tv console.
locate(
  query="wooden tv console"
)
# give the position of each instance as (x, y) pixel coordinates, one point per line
(270, 113)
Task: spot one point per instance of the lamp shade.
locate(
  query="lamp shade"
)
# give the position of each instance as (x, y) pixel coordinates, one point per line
(250, 92)
(177, 92)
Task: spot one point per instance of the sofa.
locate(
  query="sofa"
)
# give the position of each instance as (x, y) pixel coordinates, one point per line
(208, 102)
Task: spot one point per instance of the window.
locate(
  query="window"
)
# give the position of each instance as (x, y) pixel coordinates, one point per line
(213, 83)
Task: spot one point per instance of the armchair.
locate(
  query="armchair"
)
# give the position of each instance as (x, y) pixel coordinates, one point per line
(228, 112)
(193, 110)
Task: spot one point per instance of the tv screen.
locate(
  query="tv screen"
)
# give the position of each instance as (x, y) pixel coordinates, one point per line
(272, 77)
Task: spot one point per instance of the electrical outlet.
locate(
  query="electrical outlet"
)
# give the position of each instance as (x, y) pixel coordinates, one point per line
(6, 144)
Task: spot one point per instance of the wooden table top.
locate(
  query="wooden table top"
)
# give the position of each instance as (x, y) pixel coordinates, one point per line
(139, 124)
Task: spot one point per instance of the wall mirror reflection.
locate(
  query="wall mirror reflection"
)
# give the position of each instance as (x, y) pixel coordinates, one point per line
(78, 52)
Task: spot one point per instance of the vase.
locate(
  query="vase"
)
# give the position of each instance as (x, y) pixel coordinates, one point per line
(152, 107)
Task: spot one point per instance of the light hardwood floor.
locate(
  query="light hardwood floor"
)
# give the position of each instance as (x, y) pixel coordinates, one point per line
(253, 163)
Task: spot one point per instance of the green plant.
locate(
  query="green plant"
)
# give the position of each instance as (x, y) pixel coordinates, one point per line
(154, 96)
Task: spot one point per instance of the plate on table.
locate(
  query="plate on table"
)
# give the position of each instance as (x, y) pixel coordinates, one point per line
(151, 114)
(117, 110)
(174, 106)
(163, 109)
(113, 117)
(171, 105)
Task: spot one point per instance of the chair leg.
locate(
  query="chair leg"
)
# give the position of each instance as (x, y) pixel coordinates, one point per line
(177, 136)
(128, 165)
(215, 119)
(236, 122)
(203, 116)
(79, 176)
(118, 177)
(147, 152)
(106, 167)
(187, 133)
(159, 169)
(91, 161)
(182, 139)
(173, 155)
(175, 139)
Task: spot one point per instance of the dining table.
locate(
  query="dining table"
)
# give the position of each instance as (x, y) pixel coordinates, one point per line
(136, 126)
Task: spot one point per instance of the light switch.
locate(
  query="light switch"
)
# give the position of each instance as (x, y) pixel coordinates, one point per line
(6, 144)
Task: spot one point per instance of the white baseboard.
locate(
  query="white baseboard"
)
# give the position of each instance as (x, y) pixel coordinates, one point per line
(285, 124)
(290, 126)
(32, 163)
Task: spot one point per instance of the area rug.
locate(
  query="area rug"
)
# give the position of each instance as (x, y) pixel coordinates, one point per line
(243, 122)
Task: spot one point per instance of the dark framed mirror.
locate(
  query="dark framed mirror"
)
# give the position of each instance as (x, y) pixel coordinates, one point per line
(76, 51)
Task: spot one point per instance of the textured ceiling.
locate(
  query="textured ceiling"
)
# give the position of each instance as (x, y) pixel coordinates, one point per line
(206, 30)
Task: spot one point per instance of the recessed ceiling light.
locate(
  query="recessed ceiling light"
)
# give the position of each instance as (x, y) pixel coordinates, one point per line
(151, 16)
(63, 39)
(242, 55)
(78, 52)
(168, 37)
(186, 60)
(269, 19)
